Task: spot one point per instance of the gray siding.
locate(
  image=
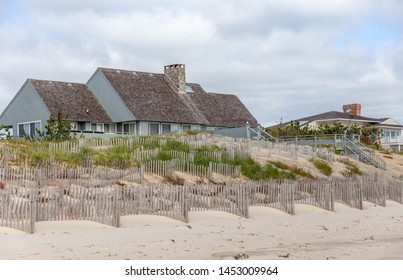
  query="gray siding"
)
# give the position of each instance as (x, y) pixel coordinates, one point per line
(26, 106)
(108, 98)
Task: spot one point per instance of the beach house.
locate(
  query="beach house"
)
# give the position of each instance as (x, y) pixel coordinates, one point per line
(116, 101)
(391, 136)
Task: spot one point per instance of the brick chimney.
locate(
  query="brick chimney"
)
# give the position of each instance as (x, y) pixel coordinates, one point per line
(176, 74)
(354, 109)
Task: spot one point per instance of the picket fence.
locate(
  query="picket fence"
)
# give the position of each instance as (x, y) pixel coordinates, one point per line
(23, 205)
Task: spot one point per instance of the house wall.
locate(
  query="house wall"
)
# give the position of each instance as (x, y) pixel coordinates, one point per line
(26, 106)
(108, 98)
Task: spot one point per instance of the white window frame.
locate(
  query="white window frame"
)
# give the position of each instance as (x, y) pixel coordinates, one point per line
(162, 128)
(132, 128)
(159, 128)
(29, 127)
(189, 125)
(112, 128)
(99, 127)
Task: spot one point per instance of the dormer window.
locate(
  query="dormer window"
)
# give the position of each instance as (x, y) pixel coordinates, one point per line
(189, 89)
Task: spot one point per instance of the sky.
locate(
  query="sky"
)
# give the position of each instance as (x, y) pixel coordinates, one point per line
(284, 59)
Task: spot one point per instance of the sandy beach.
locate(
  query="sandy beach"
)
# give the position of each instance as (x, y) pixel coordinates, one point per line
(375, 233)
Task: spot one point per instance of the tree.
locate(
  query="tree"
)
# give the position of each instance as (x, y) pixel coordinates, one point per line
(5, 132)
(56, 129)
(368, 134)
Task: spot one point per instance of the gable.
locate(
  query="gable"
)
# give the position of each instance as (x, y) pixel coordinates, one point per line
(389, 121)
(109, 98)
(26, 106)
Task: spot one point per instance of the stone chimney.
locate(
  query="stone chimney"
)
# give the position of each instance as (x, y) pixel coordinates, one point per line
(354, 109)
(176, 74)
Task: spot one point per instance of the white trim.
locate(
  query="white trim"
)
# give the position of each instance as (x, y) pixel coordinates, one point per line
(347, 120)
(23, 123)
(159, 128)
(162, 130)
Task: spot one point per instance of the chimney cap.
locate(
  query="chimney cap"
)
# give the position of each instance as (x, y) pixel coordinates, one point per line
(175, 66)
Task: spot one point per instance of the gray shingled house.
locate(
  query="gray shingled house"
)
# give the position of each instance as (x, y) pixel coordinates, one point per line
(125, 102)
(391, 130)
(32, 106)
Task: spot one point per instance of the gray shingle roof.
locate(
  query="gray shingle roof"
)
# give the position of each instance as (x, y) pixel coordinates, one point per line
(338, 115)
(71, 99)
(331, 115)
(150, 97)
(223, 109)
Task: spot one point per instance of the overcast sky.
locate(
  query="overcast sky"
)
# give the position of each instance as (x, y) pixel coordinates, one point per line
(285, 59)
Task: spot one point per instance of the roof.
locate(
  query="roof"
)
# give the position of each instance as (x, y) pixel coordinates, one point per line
(223, 109)
(74, 100)
(331, 115)
(151, 97)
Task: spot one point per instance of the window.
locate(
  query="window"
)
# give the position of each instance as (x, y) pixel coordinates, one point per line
(109, 128)
(166, 128)
(129, 128)
(186, 127)
(132, 128)
(80, 126)
(29, 129)
(189, 89)
(97, 127)
(153, 129)
(126, 128)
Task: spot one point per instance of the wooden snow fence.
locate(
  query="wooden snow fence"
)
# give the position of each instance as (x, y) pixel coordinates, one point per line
(163, 200)
(274, 194)
(317, 193)
(373, 190)
(43, 175)
(394, 191)
(167, 167)
(233, 199)
(54, 200)
(22, 207)
(348, 192)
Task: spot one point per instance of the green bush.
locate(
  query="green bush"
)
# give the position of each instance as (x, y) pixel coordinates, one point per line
(351, 168)
(255, 171)
(322, 166)
(294, 169)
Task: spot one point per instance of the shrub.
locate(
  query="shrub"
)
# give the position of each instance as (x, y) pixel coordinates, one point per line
(351, 168)
(255, 171)
(294, 169)
(322, 166)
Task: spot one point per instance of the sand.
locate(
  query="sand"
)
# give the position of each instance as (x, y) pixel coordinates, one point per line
(375, 233)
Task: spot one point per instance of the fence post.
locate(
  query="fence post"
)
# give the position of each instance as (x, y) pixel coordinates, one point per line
(209, 170)
(185, 205)
(117, 206)
(292, 198)
(33, 207)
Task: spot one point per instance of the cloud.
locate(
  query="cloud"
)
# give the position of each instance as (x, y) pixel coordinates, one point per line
(284, 59)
